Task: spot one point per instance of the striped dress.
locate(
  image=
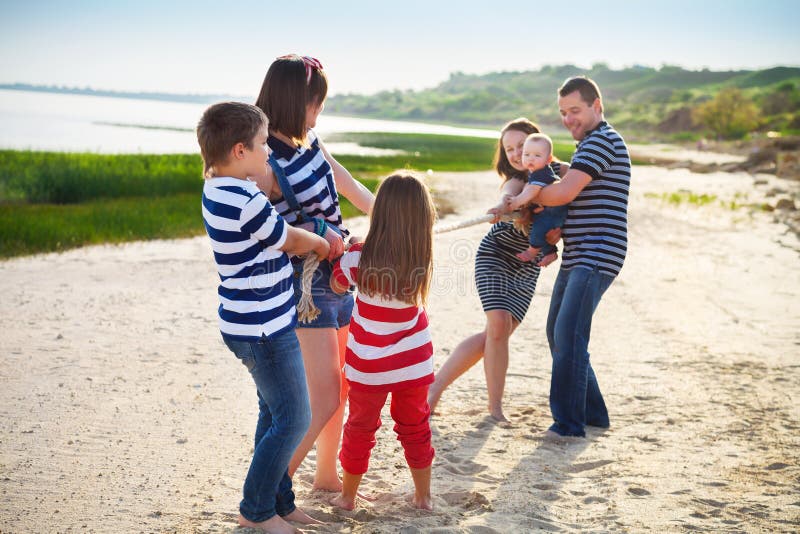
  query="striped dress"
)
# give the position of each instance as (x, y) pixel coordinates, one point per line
(503, 281)
(255, 291)
(389, 346)
(596, 230)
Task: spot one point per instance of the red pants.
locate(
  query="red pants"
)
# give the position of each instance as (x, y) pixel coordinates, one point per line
(410, 412)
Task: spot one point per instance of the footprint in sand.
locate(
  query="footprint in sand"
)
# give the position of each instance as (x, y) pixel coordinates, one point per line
(592, 500)
(586, 466)
(459, 466)
(639, 492)
(469, 500)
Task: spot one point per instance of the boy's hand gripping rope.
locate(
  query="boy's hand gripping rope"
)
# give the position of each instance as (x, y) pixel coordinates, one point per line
(307, 311)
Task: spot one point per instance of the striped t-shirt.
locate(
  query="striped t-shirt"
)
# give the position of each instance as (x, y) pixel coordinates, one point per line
(311, 178)
(255, 291)
(389, 346)
(596, 230)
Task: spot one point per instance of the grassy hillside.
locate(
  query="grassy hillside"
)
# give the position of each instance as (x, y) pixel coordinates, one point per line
(637, 99)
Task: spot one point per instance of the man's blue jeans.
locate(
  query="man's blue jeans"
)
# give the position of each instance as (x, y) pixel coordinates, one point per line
(284, 414)
(575, 398)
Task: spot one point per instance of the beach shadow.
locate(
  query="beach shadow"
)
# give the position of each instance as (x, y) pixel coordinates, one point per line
(556, 483)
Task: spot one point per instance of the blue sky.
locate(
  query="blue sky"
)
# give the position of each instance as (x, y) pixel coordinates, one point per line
(209, 47)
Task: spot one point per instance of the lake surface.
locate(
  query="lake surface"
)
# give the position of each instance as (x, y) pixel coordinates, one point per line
(84, 123)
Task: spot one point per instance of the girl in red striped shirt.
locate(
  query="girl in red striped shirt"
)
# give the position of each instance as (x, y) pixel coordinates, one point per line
(389, 348)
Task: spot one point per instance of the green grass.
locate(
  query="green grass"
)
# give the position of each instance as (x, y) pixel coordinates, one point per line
(31, 228)
(426, 151)
(64, 178)
(687, 197)
(52, 201)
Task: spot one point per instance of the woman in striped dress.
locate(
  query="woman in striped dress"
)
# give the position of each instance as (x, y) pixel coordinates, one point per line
(304, 189)
(505, 284)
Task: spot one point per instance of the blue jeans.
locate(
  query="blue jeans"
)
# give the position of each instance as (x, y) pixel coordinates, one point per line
(575, 398)
(543, 222)
(284, 414)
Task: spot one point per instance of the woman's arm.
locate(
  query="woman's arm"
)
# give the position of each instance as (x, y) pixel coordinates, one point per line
(511, 188)
(361, 197)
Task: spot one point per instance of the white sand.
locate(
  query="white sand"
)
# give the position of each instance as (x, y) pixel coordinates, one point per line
(122, 411)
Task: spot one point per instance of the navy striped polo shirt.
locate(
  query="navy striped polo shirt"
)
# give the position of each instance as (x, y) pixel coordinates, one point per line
(596, 230)
(255, 291)
(311, 178)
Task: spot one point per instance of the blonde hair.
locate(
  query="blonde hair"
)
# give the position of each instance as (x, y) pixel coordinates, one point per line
(541, 138)
(397, 255)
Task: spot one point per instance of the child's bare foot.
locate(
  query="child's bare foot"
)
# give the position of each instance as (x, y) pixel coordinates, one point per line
(337, 487)
(273, 525)
(423, 502)
(529, 254)
(299, 516)
(548, 259)
(343, 502)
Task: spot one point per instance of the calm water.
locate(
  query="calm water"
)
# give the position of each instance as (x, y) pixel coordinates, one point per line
(73, 123)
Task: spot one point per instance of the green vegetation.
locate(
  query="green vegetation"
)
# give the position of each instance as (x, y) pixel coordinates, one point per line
(640, 101)
(729, 115)
(65, 178)
(53, 201)
(687, 197)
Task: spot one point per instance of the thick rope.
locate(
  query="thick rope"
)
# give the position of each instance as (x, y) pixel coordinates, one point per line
(442, 228)
(306, 310)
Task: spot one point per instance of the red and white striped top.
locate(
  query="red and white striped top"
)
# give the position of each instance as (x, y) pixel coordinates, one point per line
(389, 347)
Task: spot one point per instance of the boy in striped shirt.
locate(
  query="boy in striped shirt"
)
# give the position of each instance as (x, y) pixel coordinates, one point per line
(595, 237)
(257, 315)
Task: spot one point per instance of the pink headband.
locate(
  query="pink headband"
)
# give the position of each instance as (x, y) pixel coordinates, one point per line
(310, 63)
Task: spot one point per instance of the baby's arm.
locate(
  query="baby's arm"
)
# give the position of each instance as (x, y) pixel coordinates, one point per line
(528, 195)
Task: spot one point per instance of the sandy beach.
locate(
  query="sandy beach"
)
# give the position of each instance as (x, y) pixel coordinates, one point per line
(122, 411)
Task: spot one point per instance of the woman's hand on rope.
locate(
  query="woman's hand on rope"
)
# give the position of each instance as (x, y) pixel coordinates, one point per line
(335, 242)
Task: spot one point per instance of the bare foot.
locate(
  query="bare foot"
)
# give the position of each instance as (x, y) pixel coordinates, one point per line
(299, 516)
(548, 259)
(273, 525)
(423, 502)
(337, 487)
(343, 502)
(498, 415)
(529, 254)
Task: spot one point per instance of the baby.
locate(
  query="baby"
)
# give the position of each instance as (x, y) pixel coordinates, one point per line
(537, 154)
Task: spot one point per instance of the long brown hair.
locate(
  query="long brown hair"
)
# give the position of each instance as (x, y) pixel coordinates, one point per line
(286, 94)
(397, 255)
(501, 163)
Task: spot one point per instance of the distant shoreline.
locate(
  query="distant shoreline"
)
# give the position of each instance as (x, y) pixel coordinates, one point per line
(167, 97)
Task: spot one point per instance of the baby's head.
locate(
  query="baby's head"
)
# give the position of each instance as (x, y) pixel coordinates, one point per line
(537, 152)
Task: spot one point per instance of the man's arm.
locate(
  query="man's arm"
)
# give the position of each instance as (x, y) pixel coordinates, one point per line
(564, 191)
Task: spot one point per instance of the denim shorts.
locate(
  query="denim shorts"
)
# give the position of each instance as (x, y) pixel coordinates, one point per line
(335, 310)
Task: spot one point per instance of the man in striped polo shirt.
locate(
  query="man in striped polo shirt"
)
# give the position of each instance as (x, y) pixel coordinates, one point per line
(595, 242)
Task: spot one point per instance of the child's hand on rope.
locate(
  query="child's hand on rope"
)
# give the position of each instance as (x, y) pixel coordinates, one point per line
(336, 244)
(321, 249)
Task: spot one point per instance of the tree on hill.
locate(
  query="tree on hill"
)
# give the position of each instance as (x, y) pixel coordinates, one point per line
(729, 115)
